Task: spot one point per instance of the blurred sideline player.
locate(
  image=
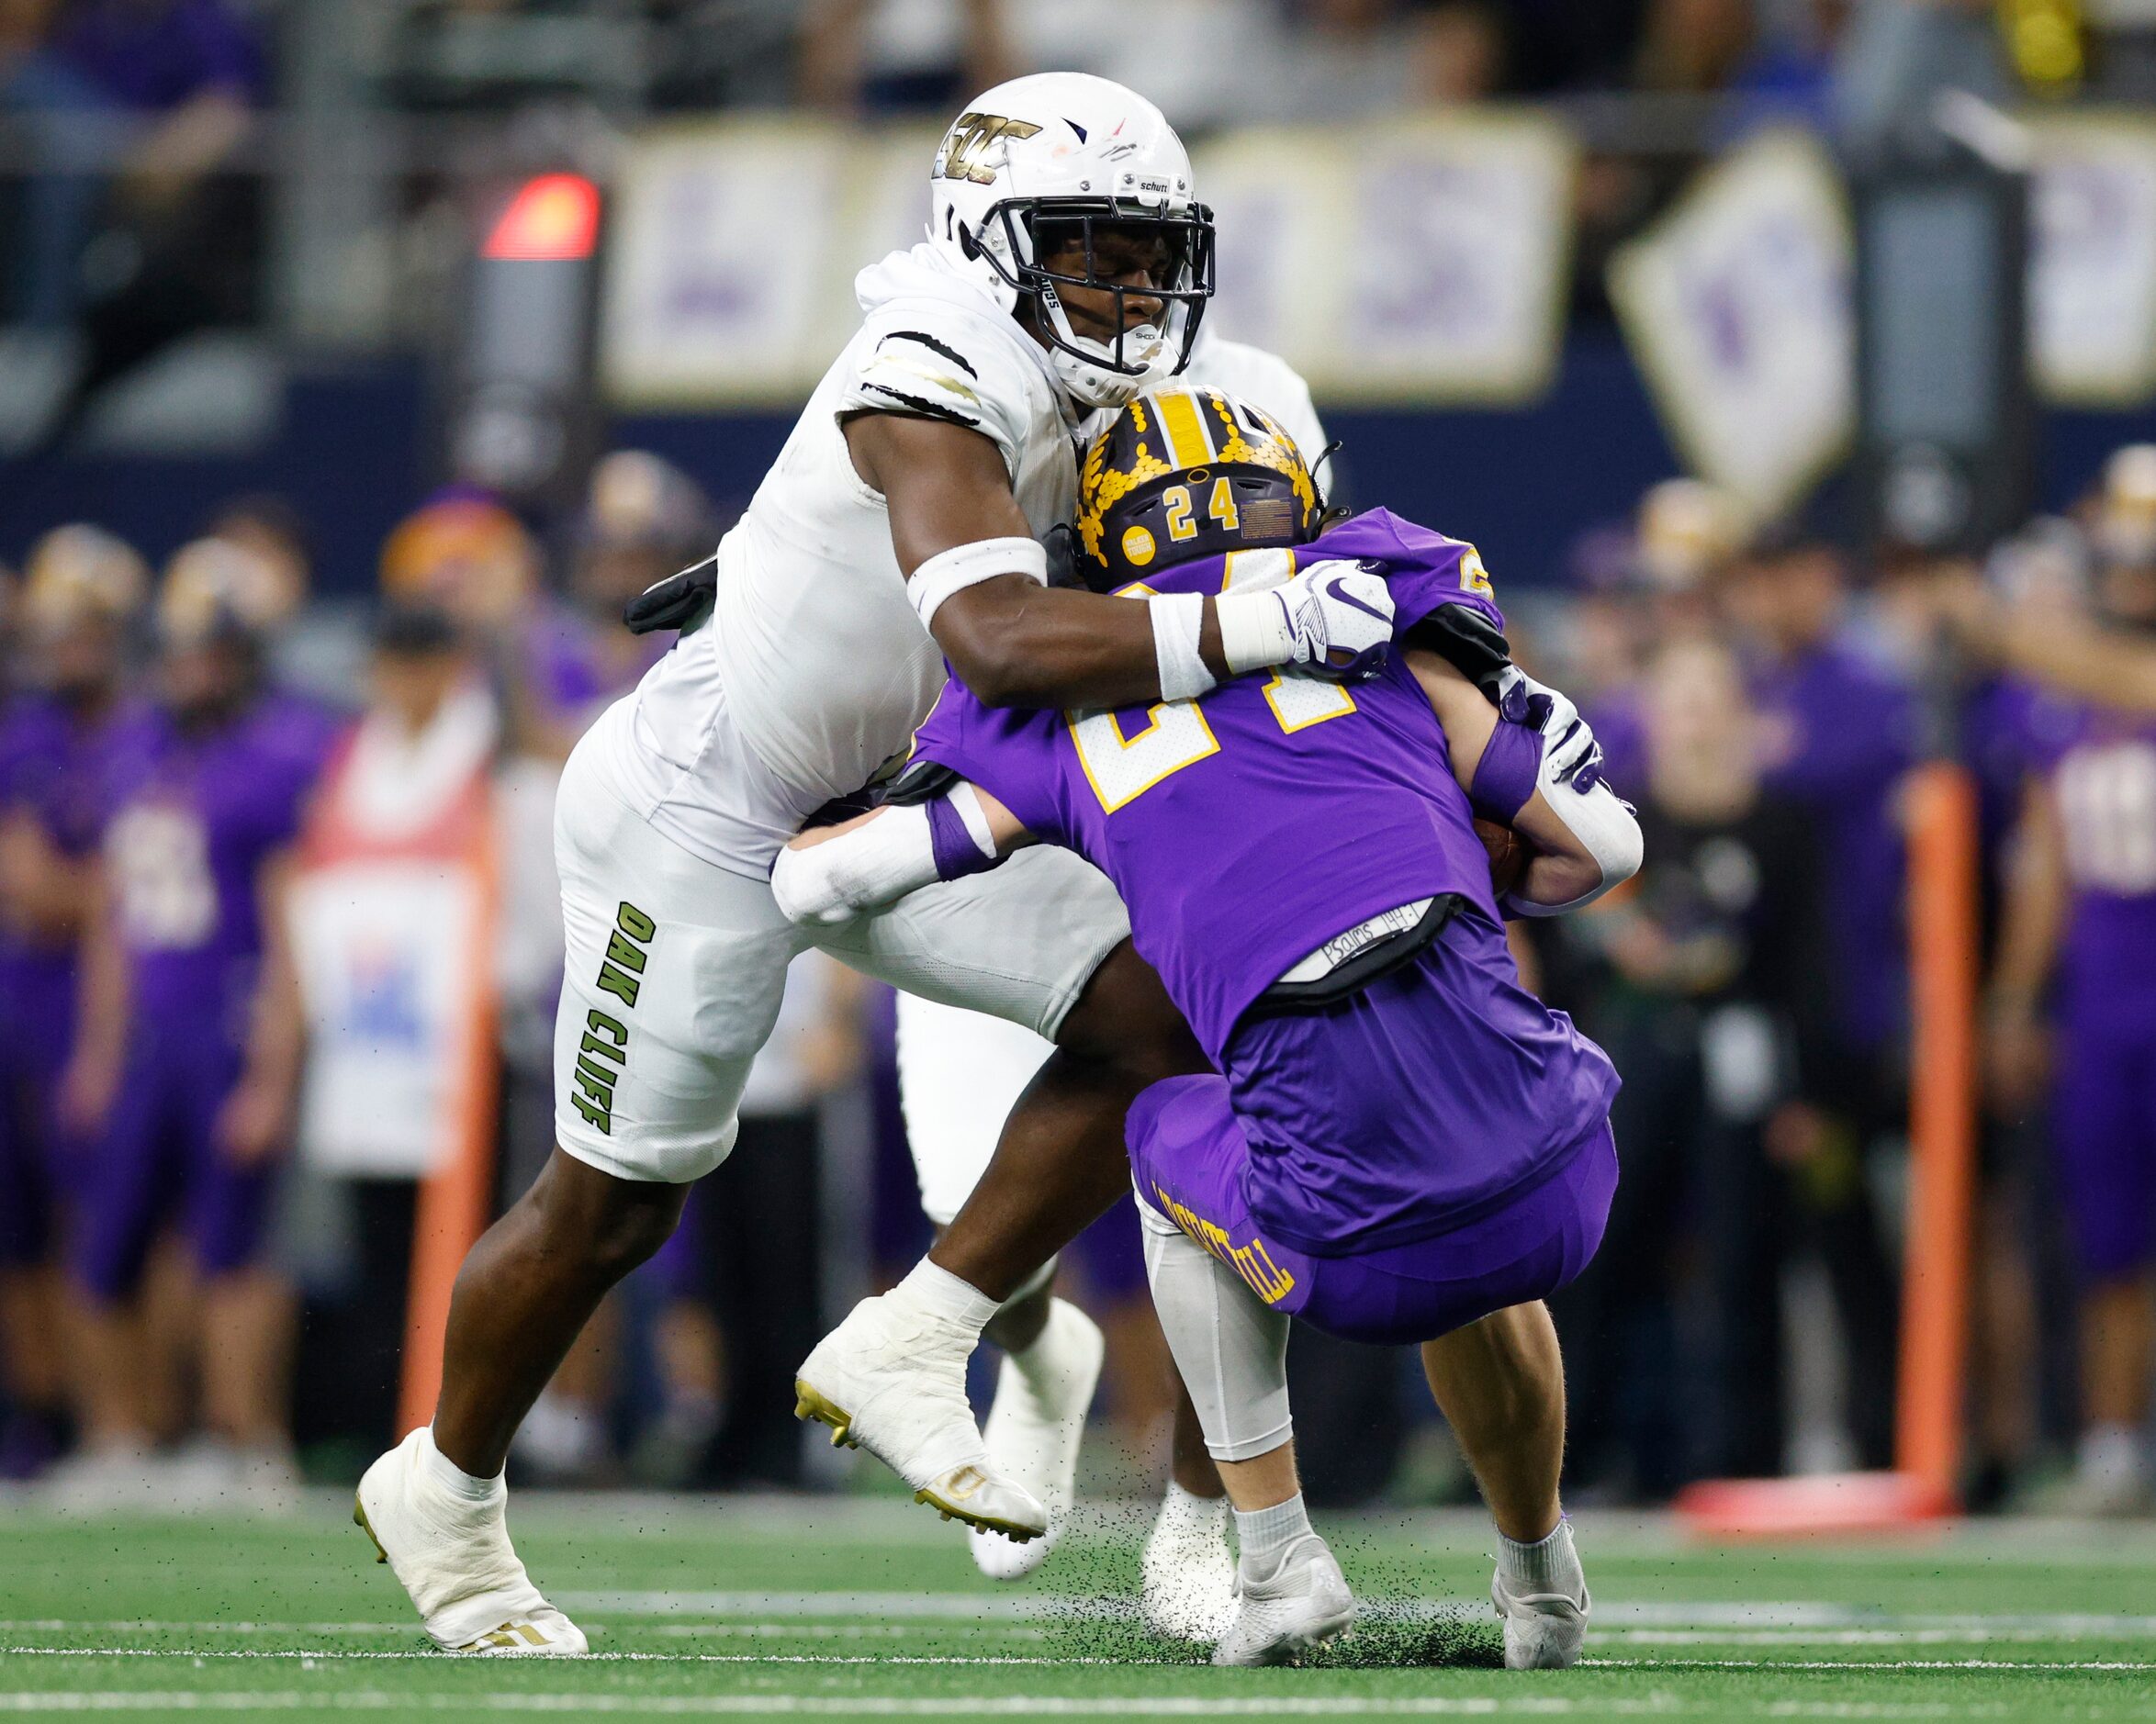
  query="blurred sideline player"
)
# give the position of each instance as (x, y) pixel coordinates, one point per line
(960, 1073)
(84, 589)
(2072, 999)
(185, 1071)
(1406, 1146)
(1066, 267)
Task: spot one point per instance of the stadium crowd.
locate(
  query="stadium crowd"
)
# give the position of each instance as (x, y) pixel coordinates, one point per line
(178, 751)
(142, 140)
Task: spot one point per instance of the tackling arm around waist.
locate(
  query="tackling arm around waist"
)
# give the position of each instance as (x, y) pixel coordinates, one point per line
(832, 873)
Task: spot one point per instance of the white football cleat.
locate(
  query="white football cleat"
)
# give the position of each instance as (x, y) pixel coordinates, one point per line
(1034, 1430)
(1543, 1630)
(453, 1556)
(893, 1381)
(1304, 1604)
(1189, 1572)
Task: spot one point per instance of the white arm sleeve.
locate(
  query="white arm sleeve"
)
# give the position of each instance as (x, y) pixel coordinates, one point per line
(965, 566)
(1604, 828)
(878, 861)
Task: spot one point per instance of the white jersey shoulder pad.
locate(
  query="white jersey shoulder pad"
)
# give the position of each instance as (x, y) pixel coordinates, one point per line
(930, 360)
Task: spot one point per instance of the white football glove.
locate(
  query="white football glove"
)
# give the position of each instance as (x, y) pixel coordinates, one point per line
(1333, 618)
(1571, 783)
(1568, 746)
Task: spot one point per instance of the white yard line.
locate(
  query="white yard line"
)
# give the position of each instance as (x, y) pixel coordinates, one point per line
(812, 1615)
(981, 1607)
(913, 1607)
(968, 1661)
(1020, 1706)
(798, 1630)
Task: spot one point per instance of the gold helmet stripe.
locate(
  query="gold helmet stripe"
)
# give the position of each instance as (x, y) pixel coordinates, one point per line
(1190, 440)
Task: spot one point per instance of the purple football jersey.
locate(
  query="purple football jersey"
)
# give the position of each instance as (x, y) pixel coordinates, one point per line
(195, 814)
(56, 769)
(2102, 769)
(1849, 734)
(1247, 829)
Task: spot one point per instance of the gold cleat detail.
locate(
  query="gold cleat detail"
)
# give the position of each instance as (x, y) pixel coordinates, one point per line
(983, 1523)
(808, 1403)
(510, 1637)
(359, 1519)
(948, 1502)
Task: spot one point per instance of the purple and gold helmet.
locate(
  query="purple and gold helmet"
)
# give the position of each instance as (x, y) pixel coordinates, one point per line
(81, 572)
(1185, 473)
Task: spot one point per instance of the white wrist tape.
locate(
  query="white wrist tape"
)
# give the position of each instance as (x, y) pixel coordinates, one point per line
(1254, 630)
(966, 803)
(965, 566)
(1606, 831)
(880, 861)
(1177, 618)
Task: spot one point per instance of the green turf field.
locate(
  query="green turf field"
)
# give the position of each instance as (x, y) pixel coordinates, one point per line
(843, 1608)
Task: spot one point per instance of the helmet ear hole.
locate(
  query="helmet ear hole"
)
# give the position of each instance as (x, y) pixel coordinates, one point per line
(967, 243)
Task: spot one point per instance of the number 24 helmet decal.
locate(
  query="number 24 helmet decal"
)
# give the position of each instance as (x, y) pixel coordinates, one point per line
(1186, 472)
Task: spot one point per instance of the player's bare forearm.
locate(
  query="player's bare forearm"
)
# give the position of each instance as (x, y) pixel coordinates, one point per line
(2034, 911)
(277, 1039)
(1012, 642)
(1560, 870)
(1015, 643)
(1465, 711)
(1566, 867)
(2112, 669)
(102, 1020)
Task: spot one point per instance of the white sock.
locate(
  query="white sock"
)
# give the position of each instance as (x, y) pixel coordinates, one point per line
(1265, 1535)
(938, 1294)
(452, 1478)
(1186, 1513)
(1549, 1565)
(2111, 1452)
(1045, 1366)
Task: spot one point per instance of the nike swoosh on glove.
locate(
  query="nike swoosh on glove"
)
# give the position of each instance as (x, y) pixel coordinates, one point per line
(1340, 614)
(1571, 753)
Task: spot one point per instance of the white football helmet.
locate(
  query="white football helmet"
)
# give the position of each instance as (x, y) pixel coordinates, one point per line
(1059, 151)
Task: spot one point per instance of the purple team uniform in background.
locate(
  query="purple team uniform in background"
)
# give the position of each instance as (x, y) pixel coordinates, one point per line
(1434, 1146)
(2101, 770)
(1851, 732)
(194, 816)
(52, 771)
(152, 58)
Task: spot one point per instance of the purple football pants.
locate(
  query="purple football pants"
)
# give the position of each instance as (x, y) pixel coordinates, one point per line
(2103, 1136)
(36, 1021)
(1188, 1157)
(157, 1165)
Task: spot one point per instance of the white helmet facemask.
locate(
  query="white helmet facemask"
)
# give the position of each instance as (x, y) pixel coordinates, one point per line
(1076, 168)
(1166, 305)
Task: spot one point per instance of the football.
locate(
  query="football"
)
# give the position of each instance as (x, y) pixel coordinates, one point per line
(1508, 854)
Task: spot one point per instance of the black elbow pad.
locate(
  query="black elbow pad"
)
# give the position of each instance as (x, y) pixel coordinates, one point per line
(680, 602)
(1467, 641)
(921, 781)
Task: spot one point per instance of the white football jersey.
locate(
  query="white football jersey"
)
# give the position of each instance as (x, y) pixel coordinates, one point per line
(814, 658)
